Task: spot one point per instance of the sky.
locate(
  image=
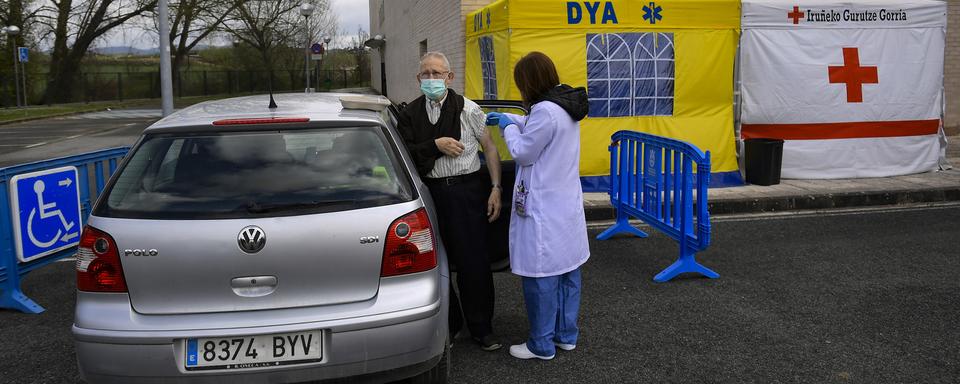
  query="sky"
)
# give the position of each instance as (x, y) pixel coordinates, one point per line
(351, 14)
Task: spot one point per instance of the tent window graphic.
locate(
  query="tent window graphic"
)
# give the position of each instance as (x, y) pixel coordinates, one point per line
(489, 68)
(630, 74)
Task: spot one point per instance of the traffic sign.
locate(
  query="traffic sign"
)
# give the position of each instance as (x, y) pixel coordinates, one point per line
(46, 212)
(23, 54)
(316, 48)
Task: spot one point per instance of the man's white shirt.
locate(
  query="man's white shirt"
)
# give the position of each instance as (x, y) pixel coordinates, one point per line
(472, 127)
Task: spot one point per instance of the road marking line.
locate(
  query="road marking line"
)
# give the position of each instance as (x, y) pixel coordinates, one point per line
(841, 211)
(36, 145)
(35, 137)
(780, 215)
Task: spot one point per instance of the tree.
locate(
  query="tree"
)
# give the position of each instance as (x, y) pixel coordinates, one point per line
(193, 21)
(75, 25)
(360, 52)
(271, 24)
(20, 13)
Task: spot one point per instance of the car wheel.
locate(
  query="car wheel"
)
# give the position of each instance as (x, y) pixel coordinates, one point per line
(439, 374)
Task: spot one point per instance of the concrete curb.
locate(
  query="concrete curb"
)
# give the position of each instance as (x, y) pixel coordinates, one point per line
(602, 211)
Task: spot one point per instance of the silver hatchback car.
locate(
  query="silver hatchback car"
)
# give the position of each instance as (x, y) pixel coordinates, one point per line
(249, 244)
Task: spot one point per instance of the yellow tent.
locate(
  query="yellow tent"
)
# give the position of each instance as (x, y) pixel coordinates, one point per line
(661, 67)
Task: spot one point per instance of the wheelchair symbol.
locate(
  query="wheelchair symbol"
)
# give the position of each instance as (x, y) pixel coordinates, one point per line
(48, 211)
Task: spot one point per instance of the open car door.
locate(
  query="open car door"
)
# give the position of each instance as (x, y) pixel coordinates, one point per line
(499, 231)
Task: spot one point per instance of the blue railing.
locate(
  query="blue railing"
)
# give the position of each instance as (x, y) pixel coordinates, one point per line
(652, 179)
(93, 170)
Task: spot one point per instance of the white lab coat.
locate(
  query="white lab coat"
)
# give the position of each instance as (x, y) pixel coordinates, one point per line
(552, 239)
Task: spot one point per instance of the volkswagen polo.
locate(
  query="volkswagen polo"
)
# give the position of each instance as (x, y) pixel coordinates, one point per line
(253, 244)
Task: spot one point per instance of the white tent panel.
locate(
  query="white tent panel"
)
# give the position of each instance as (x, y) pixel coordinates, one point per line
(855, 89)
(786, 75)
(857, 158)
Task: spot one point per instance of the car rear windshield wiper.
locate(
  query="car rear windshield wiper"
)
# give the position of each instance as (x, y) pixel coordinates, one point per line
(255, 207)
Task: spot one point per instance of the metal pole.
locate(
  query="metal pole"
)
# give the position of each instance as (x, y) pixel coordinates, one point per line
(306, 57)
(16, 72)
(383, 74)
(23, 73)
(166, 76)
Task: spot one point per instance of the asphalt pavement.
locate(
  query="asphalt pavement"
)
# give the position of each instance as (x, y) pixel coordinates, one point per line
(866, 296)
(858, 297)
(69, 135)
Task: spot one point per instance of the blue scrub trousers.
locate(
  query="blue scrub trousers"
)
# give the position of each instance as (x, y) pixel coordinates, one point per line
(553, 303)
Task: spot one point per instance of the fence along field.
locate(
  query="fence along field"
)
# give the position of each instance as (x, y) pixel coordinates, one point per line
(146, 85)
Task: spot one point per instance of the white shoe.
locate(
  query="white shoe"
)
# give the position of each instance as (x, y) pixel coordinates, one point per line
(565, 347)
(521, 351)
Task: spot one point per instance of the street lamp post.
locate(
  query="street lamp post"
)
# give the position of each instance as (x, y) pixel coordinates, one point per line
(236, 54)
(323, 51)
(166, 68)
(11, 32)
(306, 9)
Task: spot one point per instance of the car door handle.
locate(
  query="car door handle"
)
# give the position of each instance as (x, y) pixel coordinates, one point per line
(254, 286)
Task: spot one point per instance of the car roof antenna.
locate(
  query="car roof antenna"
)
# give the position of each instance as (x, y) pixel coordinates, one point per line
(273, 103)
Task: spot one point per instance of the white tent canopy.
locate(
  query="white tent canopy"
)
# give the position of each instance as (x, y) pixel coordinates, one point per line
(855, 89)
(871, 14)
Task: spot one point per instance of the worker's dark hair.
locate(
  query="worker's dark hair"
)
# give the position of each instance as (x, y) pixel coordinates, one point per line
(535, 74)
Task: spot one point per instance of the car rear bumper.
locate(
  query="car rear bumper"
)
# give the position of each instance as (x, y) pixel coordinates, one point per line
(375, 354)
(377, 348)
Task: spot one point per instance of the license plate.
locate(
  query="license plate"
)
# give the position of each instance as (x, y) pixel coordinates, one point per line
(254, 351)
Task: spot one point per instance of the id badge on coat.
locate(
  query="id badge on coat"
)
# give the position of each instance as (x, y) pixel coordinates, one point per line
(520, 200)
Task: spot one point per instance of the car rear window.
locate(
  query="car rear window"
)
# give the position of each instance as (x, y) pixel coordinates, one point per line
(260, 174)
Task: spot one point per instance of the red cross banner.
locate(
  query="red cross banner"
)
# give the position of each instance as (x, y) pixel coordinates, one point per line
(854, 88)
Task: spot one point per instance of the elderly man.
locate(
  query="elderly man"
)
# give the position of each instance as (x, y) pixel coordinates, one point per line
(443, 131)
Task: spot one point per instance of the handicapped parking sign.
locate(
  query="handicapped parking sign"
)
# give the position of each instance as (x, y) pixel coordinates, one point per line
(46, 212)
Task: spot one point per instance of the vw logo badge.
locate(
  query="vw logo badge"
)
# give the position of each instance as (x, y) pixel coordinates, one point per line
(251, 239)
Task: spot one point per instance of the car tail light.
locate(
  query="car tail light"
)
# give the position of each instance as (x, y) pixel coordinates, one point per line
(98, 263)
(410, 245)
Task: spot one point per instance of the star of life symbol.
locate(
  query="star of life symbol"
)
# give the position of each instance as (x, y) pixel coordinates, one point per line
(651, 13)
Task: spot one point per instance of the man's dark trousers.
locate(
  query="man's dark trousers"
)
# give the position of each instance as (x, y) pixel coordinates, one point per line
(461, 204)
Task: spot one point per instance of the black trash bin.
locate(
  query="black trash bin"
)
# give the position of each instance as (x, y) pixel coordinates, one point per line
(763, 158)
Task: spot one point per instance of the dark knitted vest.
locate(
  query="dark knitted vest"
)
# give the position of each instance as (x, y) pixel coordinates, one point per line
(448, 125)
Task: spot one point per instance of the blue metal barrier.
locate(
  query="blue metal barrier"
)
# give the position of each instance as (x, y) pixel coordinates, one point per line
(17, 257)
(652, 179)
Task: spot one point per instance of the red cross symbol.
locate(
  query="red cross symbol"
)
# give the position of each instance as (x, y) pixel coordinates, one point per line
(853, 75)
(796, 15)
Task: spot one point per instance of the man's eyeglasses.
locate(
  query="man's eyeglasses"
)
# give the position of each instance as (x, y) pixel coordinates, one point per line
(433, 75)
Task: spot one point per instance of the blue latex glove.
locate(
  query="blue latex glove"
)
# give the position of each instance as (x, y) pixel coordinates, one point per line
(493, 118)
(497, 118)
